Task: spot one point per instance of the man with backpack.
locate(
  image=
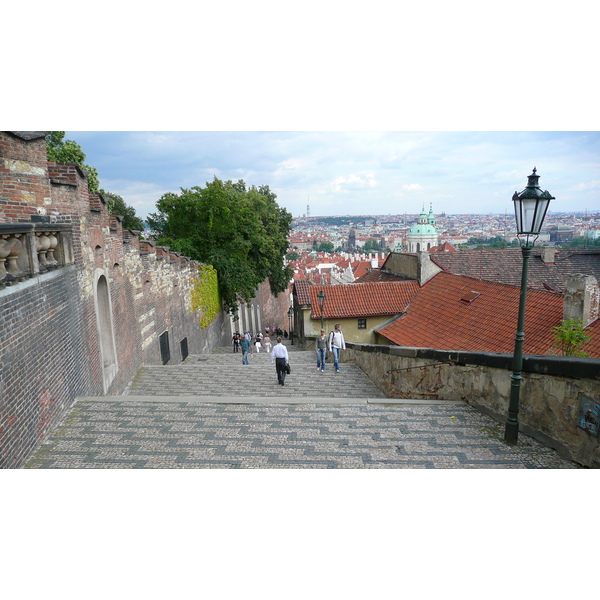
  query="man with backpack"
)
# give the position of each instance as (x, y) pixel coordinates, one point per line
(336, 344)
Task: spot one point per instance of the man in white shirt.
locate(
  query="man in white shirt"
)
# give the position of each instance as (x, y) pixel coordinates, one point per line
(336, 344)
(279, 356)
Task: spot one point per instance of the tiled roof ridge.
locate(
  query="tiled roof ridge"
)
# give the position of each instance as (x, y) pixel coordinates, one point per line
(488, 282)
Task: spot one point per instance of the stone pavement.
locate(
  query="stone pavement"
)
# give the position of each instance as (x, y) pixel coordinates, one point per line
(214, 412)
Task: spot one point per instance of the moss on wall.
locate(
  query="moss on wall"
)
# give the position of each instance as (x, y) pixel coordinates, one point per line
(205, 295)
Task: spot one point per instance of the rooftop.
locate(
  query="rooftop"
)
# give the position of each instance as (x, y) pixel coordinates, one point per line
(453, 312)
(363, 299)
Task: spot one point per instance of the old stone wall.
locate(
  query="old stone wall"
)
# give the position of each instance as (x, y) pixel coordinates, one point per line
(264, 310)
(83, 303)
(45, 359)
(553, 389)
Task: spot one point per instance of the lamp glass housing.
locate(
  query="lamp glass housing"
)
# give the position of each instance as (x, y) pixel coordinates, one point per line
(321, 298)
(530, 214)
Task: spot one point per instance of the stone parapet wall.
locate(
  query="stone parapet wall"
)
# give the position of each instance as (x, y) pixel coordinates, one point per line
(553, 389)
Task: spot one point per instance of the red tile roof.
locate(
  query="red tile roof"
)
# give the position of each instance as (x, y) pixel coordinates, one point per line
(363, 299)
(360, 268)
(592, 348)
(445, 247)
(302, 289)
(377, 275)
(504, 266)
(438, 318)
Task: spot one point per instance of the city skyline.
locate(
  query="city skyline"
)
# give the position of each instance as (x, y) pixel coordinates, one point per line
(353, 173)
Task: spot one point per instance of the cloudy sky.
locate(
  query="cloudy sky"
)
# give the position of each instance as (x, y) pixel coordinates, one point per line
(277, 95)
(353, 173)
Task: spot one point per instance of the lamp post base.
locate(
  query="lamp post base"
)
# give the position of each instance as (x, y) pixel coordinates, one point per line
(511, 433)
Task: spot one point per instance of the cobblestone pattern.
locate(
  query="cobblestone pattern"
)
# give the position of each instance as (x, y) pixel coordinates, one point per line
(129, 433)
(222, 374)
(124, 434)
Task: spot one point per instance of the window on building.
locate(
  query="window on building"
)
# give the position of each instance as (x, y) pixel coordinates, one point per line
(362, 323)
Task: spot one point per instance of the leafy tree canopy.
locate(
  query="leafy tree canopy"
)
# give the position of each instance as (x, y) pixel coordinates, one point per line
(67, 151)
(581, 242)
(117, 206)
(325, 247)
(371, 244)
(241, 232)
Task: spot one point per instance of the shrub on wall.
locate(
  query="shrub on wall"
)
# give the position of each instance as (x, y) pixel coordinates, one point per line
(205, 295)
(570, 337)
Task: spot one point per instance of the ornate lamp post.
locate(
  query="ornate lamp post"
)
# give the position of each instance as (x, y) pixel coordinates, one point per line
(321, 297)
(531, 206)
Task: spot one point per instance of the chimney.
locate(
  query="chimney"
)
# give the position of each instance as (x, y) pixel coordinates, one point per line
(426, 268)
(548, 253)
(582, 297)
(374, 263)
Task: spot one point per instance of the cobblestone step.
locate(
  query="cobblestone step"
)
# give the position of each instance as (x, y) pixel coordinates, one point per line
(222, 374)
(212, 412)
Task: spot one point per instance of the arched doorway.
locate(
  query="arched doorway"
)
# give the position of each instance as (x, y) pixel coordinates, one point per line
(108, 354)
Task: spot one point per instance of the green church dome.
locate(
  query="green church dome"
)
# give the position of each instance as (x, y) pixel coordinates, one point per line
(425, 224)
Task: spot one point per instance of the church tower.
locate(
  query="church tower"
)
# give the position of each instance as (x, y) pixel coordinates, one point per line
(423, 235)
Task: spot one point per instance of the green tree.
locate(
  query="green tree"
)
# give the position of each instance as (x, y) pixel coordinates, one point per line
(497, 242)
(371, 244)
(117, 206)
(570, 337)
(292, 256)
(582, 242)
(68, 151)
(325, 247)
(241, 232)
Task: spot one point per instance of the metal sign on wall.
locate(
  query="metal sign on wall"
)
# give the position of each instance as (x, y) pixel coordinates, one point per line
(589, 416)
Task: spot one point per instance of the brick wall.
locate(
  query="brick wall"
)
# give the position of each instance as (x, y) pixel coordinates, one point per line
(45, 360)
(24, 183)
(56, 340)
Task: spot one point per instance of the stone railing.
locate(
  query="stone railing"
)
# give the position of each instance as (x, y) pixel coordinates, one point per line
(31, 249)
(559, 399)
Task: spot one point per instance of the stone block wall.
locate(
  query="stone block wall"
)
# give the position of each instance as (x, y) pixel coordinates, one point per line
(552, 389)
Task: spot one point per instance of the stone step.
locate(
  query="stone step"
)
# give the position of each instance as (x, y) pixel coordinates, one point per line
(342, 400)
(223, 375)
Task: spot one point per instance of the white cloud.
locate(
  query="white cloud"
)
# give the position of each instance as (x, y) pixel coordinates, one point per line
(141, 195)
(412, 187)
(590, 185)
(347, 183)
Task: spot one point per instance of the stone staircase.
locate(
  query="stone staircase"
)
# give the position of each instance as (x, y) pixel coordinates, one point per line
(222, 375)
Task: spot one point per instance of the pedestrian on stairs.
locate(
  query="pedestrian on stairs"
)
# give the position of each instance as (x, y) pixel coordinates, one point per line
(279, 356)
(236, 341)
(321, 349)
(245, 345)
(267, 343)
(336, 344)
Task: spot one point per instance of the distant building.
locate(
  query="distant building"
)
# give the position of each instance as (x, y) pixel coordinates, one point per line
(561, 234)
(423, 235)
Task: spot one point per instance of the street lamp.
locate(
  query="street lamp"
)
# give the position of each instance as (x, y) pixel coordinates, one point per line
(531, 206)
(321, 299)
(291, 317)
